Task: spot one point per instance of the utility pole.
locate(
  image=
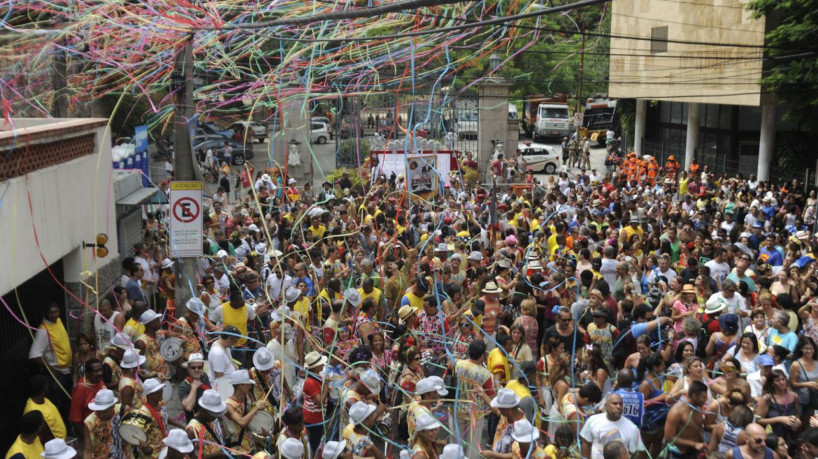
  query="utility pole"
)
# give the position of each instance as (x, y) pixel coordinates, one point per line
(183, 75)
(579, 86)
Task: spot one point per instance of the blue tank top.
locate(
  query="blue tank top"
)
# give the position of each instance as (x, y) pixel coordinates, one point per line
(768, 453)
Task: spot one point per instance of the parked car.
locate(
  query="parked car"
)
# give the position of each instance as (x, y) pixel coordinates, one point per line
(319, 133)
(259, 130)
(209, 127)
(240, 153)
(540, 157)
(325, 120)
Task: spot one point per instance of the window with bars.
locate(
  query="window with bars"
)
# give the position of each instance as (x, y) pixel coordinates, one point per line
(658, 39)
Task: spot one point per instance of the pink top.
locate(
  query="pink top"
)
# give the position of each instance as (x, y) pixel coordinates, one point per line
(682, 308)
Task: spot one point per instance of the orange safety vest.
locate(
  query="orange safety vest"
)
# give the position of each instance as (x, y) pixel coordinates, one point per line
(653, 169)
(694, 169)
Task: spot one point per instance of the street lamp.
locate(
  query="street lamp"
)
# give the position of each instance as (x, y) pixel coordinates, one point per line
(494, 61)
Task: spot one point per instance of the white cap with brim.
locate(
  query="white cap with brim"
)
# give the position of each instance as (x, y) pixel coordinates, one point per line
(57, 449)
(333, 449)
(103, 400)
(132, 359)
(212, 402)
(152, 385)
(178, 440)
(359, 411)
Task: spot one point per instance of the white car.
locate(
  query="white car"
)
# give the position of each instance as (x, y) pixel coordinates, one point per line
(259, 130)
(319, 133)
(540, 157)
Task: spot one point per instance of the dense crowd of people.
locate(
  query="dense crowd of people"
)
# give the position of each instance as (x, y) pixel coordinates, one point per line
(638, 311)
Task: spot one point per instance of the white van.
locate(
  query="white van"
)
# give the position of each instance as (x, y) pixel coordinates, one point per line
(552, 121)
(512, 112)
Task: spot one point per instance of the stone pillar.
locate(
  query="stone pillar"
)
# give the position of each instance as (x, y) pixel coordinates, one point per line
(693, 119)
(492, 121)
(294, 124)
(766, 143)
(639, 128)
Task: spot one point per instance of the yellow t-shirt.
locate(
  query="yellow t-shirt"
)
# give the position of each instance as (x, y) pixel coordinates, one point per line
(415, 301)
(520, 389)
(51, 415)
(133, 329)
(683, 186)
(302, 307)
(318, 232)
(376, 296)
(28, 451)
(498, 361)
(236, 318)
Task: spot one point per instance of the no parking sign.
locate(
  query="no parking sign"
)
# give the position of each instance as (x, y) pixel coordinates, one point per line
(185, 219)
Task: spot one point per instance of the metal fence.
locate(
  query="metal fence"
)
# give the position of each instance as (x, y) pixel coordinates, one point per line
(718, 163)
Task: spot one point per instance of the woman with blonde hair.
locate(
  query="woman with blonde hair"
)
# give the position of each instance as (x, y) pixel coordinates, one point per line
(528, 320)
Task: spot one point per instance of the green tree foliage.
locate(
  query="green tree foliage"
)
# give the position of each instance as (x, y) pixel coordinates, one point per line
(793, 46)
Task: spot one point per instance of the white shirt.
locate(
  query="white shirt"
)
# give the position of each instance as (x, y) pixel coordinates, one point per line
(41, 347)
(275, 285)
(146, 265)
(599, 430)
(220, 360)
(718, 270)
(105, 330)
(669, 275)
(756, 384)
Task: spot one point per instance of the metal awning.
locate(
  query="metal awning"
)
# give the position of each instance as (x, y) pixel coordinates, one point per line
(139, 197)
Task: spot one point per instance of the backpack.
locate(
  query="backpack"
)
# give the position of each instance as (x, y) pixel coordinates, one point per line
(704, 338)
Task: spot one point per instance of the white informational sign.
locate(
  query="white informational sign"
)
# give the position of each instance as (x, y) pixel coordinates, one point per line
(396, 162)
(578, 119)
(186, 219)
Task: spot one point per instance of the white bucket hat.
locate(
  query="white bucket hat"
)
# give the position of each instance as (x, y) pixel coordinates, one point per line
(178, 440)
(167, 263)
(263, 359)
(212, 401)
(149, 316)
(359, 411)
(524, 432)
(426, 422)
(506, 398)
(122, 341)
(196, 306)
(353, 296)
(292, 449)
(194, 358)
(152, 385)
(333, 449)
(241, 377)
(103, 400)
(452, 451)
(432, 383)
(292, 294)
(132, 359)
(371, 380)
(57, 449)
(475, 256)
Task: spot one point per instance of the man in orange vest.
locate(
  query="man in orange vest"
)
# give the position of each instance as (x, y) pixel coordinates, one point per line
(630, 166)
(671, 167)
(694, 169)
(653, 171)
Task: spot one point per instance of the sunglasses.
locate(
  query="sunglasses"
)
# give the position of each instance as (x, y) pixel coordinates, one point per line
(759, 440)
(463, 325)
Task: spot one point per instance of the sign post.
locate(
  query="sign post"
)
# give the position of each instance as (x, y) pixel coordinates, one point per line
(186, 219)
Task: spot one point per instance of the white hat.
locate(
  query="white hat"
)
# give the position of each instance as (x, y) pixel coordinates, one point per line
(103, 400)
(196, 357)
(152, 385)
(524, 432)
(121, 340)
(132, 359)
(221, 254)
(452, 451)
(535, 264)
(491, 287)
(314, 359)
(254, 228)
(241, 377)
(442, 247)
(149, 316)
(371, 380)
(426, 422)
(476, 256)
(57, 449)
(263, 359)
(432, 383)
(290, 181)
(212, 401)
(265, 177)
(359, 411)
(178, 440)
(333, 449)
(167, 263)
(504, 263)
(292, 294)
(292, 448)
(506, 398)
(280, 314)
(353, 296)
(195, 306)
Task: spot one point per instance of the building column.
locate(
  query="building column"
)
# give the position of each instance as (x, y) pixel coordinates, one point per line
(766, 143)
(639, 129)
(693, 119)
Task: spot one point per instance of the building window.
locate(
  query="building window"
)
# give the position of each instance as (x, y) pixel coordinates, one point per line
(658, 39)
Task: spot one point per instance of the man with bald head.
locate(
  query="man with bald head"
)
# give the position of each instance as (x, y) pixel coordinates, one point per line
(610, 426)
(633, 401)
(755, 446)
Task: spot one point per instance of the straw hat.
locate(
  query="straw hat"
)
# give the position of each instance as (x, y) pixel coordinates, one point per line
(492, 287)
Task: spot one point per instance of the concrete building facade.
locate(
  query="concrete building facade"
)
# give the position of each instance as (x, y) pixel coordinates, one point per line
(694, 68)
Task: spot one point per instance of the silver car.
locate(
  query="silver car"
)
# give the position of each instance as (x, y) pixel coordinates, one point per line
(259, 130)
